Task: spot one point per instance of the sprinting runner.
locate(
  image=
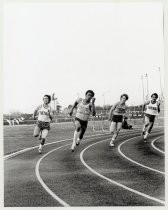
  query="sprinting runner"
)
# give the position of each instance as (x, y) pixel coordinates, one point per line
(45, 115)
(85, 107)
(152, 110)
(117, 111)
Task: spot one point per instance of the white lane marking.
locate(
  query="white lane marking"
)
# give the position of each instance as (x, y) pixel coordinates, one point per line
(42, 182)
(6, 157)
(135, 162)
(63, 203)
(31, 148)
(112, 181)
(152, 143)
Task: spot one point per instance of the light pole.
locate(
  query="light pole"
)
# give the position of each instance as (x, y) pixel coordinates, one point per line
(54, 99)
(161, 93)
(147, 86)
(103, 101)
(143, 88)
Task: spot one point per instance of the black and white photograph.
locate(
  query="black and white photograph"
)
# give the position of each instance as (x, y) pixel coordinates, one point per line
(83, 104)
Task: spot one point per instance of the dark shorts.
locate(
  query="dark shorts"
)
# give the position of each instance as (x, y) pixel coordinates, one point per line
(151, 117)
(82, 123)
(117, 118)
(43, 125)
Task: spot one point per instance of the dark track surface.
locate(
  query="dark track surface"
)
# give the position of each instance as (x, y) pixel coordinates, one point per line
(64, 174)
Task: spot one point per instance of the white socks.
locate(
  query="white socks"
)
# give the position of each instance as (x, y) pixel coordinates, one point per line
(76, 134)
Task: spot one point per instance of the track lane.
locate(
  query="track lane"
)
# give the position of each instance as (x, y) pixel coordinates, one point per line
(21, 185)
(114, 182)
(70, 176)
(136, 178)
(71, 160)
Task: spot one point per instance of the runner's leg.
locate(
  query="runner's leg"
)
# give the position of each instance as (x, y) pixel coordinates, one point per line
(76, 134)
(113, 128)
(36, 131)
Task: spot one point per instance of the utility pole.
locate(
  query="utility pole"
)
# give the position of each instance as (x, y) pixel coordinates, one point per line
(147, 86)
(161, 92)
(143, 89)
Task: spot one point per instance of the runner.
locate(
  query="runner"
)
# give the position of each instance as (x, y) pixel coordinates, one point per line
(45, 115)
(152, 110)
(85, 107)
(117, 111)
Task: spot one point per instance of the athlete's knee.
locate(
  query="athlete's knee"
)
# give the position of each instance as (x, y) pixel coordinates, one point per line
(117, 131)
(35, 135)
(146, 124)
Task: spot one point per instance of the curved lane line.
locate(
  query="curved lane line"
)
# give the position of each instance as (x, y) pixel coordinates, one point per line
(63, 203)
(55, 142)
(42, 182)
(6, 157)
(156, 148)
(135, 162)
(114, 182)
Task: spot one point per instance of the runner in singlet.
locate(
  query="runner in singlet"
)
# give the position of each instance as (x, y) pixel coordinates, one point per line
(85, 107)
(152, 110)
(45, 115)
(117, 111)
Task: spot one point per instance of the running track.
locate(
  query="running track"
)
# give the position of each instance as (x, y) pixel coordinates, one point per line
(131, 174)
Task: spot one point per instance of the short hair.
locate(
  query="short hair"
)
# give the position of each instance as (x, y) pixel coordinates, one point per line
(90, 91)
(154, 94)
(49, 98)
(125, 96)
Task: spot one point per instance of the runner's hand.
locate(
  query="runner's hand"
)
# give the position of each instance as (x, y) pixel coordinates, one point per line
(70, 113)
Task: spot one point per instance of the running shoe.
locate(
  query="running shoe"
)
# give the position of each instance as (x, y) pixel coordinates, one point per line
(111, 144)
(73, 148)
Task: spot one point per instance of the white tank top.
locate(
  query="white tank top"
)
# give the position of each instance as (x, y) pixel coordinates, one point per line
(43, 114)
(83, 110)
(152, 108)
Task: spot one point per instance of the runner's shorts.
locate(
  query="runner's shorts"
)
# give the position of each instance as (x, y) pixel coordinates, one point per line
(151, 117)
(82, 123)
(43, 125)
(117, 118)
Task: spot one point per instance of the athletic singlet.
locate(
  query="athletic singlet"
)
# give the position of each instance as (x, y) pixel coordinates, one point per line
(43, 114)
(119, 109)
(83, 110)
(152, 109)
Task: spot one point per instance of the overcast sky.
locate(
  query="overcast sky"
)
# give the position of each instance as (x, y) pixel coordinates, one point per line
(68, 48)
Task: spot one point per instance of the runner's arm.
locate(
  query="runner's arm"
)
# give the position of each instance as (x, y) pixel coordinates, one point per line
(158, 107)
(34, 114)
(51, 114)
(71, 110)
(111, 111)
(144, 106)
(93, 109)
